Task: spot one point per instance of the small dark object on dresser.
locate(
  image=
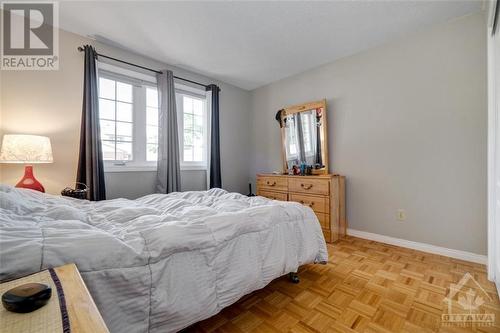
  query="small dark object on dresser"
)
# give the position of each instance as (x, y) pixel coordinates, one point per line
(26, 297)
(76, 193)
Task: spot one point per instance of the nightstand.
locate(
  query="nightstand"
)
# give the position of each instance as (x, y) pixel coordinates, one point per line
(74, 306)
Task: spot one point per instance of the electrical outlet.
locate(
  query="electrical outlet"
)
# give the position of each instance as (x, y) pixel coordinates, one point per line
(401, 215)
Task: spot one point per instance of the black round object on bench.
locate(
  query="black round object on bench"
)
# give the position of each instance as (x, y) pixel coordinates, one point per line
(26, 297)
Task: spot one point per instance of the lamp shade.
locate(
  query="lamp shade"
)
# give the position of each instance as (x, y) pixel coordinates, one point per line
(29, 149)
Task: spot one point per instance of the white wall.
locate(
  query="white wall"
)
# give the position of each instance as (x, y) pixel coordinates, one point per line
(50, 102)
(407, 126)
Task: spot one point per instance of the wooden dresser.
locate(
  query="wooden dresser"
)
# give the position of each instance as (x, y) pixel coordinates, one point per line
(325, 194)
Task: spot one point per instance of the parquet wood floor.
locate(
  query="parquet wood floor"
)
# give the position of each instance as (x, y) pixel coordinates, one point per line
(366, 287)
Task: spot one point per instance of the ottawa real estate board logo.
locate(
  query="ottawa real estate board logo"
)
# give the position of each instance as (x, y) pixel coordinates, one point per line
(30, 38)
(467, 305)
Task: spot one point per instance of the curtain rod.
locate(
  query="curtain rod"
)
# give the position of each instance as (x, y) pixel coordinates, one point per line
(142, 67)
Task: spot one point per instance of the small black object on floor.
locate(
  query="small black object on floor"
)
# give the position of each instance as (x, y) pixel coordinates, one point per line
(294, 277)
(26, 297)
(250, 194)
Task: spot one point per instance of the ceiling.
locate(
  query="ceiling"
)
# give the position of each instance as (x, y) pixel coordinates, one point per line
(251, 44)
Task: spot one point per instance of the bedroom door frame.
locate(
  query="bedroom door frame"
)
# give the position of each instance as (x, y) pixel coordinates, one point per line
(493, 149)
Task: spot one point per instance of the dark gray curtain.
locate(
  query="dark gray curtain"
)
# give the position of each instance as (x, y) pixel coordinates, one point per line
(215, 172)
(168, 171)
(90, 167)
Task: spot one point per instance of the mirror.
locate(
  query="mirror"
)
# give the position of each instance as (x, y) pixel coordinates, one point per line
(304, 138)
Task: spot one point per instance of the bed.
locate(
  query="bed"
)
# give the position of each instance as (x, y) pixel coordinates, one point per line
(161, 262)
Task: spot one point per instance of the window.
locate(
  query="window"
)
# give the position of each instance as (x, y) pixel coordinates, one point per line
(115, 113)
(151, 124)
(191, 110)
(128, 115)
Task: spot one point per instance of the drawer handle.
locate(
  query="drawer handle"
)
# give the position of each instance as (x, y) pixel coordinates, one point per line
(271, 184)
(306, 186)
(310, 204)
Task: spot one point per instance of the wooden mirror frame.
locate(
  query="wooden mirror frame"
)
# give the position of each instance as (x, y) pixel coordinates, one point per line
(324, 132)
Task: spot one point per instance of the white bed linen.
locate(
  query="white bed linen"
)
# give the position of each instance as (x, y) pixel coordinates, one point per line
(161, 262)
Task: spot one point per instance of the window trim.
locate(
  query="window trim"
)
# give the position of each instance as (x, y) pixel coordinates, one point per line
(147, 168)
(130, 168)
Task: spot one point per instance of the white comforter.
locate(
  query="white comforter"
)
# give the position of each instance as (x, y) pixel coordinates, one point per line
(161, 262)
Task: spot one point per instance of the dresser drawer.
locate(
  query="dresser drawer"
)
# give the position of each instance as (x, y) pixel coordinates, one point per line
(274, 195)
(318, 204)
(305, 185)
(272, 183)
(324, 220)
(328, 235)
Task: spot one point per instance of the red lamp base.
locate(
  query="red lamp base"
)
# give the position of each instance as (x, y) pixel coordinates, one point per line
(29, 181)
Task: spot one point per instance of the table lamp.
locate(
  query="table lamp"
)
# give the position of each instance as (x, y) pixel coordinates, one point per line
(26, 149)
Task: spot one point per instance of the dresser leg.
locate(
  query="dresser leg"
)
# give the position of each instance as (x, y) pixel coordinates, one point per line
(293, 277)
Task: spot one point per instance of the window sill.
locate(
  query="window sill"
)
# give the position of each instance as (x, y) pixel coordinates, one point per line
(129, 168)
(193, 167)
(148, 168)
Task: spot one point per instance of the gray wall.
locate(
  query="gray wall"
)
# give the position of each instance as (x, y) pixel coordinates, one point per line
(407, 126)
(50, 103)
(133, 185)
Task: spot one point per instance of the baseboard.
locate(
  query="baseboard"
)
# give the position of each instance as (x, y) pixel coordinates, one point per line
(457, 254)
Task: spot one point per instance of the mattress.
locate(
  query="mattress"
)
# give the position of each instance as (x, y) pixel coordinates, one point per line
(164, 261)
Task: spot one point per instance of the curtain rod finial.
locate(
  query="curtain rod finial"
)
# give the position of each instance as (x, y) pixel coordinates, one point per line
(79, 48)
